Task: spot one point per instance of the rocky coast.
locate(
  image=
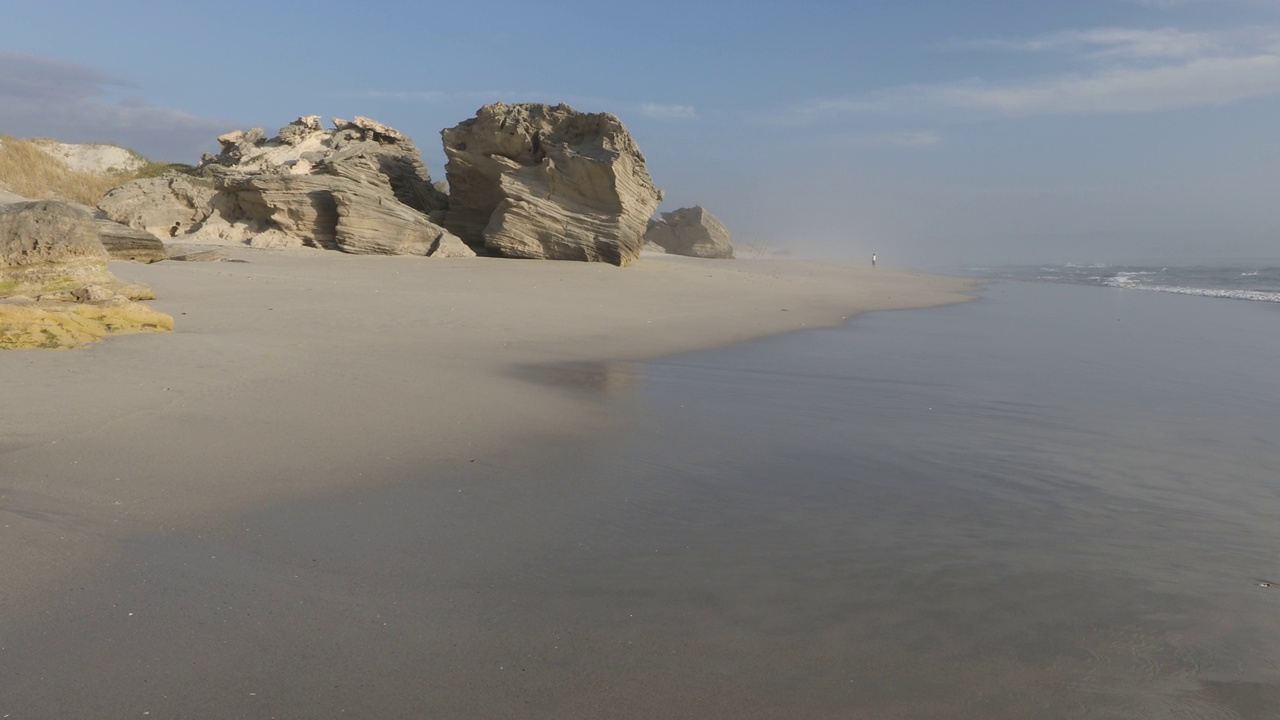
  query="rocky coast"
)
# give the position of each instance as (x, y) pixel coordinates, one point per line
(344, 331)
(292, 368)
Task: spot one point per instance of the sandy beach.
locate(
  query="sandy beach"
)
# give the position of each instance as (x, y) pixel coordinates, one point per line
(370, 487)
(295, 373)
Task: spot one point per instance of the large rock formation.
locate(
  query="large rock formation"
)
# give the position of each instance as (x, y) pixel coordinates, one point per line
(55, 289)
(690, 231)
(48, 246)
(163, 206)
(541, 181)
(359, 188)
(121, 241)
(126, 243)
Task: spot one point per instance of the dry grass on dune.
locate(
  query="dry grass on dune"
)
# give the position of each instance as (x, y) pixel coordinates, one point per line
(27, 170)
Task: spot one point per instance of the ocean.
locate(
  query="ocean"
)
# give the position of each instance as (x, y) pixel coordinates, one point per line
(1056, 501)
(1257, 280)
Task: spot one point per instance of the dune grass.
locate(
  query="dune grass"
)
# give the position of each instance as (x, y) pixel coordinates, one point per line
(27, 170)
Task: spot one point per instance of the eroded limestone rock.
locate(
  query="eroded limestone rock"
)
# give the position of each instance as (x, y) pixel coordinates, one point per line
(296, 132)
(125, 243)
(542, 181)
(690, 231)
(46, 246)
(359, 188)
(55, 289)
(167, 206)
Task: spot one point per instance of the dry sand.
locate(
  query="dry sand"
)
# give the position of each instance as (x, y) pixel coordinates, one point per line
(301, 372)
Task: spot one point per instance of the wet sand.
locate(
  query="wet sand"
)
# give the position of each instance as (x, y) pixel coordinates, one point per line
(1048, 503)
(1055, 502)
(294, 374)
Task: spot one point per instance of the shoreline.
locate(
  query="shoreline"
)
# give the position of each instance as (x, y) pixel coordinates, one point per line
(296, 373)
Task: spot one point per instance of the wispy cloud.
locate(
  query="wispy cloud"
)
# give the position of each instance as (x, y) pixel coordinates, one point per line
(30, 77)
(42, 96)
(668, 112)
(1208, 81)
(909, 139)
(1111, 43)
(1121, 71)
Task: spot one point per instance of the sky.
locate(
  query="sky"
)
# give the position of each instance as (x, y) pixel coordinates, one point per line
(932, 132)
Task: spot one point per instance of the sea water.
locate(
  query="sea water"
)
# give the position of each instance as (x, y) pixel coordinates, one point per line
(1257, 280)
(1053, 502)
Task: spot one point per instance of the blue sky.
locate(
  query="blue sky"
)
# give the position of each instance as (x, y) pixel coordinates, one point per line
(932, 133)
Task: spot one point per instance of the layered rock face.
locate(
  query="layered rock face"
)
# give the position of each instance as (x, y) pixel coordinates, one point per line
(125, 243)
(542, 181)
(162, 206)
(47, 246)
(359, 188)
(121, 241)
(690, 231)
(55, 289)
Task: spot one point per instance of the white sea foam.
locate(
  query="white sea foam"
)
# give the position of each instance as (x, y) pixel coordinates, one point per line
(1256, 295)
(1127, 279)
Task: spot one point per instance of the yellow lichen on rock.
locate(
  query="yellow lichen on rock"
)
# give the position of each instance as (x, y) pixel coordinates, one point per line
(60, 294)
(57, 325)
(45, 278)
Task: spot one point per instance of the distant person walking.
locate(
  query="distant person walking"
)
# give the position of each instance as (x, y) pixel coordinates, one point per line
(873, 259)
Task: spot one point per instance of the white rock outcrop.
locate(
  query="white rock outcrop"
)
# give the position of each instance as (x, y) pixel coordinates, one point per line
(542, 181)
(690, 231)
(166, 206)
(359, 188)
